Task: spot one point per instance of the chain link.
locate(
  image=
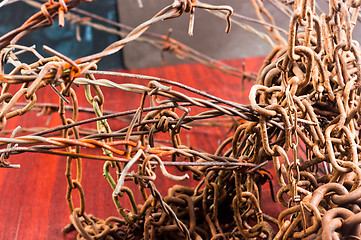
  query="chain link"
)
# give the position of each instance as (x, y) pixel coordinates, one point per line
(304, 116)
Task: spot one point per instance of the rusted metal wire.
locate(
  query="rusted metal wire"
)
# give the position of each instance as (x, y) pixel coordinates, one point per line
(161, 42)
(303, 116)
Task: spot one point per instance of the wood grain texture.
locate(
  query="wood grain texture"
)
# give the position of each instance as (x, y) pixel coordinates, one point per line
(32, 198)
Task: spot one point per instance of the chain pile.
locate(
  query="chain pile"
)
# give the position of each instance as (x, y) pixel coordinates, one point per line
(304, 116)
(315, 78)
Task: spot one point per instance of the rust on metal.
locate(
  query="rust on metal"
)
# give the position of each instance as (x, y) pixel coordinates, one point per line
(303, 117)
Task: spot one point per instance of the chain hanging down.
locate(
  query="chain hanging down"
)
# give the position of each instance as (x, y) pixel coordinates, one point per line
(304, 117)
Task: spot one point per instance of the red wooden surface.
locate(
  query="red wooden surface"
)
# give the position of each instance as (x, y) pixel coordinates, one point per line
(32, 198)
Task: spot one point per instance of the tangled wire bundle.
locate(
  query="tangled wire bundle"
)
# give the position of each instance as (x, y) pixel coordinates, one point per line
(304, 116)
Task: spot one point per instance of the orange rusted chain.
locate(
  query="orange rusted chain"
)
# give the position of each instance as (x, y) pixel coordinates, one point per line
(304, 116)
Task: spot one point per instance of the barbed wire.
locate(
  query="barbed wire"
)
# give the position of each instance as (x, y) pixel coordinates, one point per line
(303, 116)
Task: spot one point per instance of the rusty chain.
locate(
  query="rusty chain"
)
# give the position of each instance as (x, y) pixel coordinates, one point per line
(303, 116)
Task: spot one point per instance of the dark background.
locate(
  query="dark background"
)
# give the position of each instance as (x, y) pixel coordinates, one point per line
(63, 39)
